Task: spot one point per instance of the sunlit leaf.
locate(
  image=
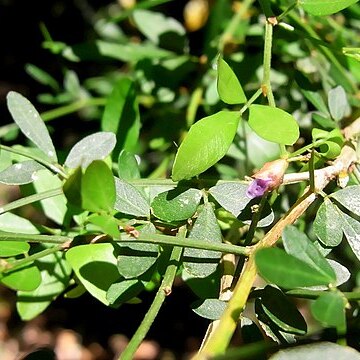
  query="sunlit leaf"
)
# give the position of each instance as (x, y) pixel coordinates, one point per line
(13, 223)
(25, 278)
(13, 248)
(211, 309)
(349, 198)
(20, 173)
(128, 166)
(325, 7)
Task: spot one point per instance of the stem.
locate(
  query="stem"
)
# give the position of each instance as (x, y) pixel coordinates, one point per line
(30, 199)
(286, 11)
(250, 101)
(50, 239)
(187, 242)
(163, 292)
(14, 265)
(52, 167)
(266, 85)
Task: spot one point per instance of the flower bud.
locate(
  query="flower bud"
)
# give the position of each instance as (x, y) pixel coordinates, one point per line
(268, 178)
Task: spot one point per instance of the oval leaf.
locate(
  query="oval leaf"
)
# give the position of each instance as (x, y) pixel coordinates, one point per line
(30, 123)
(20, 173)
(228, 85)
(26, 278)
(349, 198)
(325, 7)
(128, 166)
(98, 187)
(273, 124)
(124, 290)
(13, 248)
(211, 309)
(278, 267)
(93, 147)
(14, 223)
(176, 204)
(95, 266)
(338, 103)
(206, 143)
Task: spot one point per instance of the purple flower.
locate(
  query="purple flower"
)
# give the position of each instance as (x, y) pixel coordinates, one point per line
(258, 187)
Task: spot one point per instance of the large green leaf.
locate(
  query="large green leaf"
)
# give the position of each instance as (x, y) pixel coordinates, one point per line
(98, 187)
(93, 147)
(55, 275)
(278, 267)
(273, 124)
(121, 115)
(349, 198)
(328, 224)
(206, 143)
(297, 244)
(325, 7)
(95, 265)
(228, 85)
(231, 196)
(198, 262)
(30, 123)
(176, 204)
(20, 173)
(329, 309)
(25, 278)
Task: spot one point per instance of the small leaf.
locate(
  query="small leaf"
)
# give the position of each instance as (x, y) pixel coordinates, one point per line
(297, 244)
(30, 123)
(349, 198)
(198, 262)
(176, 204)
(20, 173)
(42, 76)
(228, 85)
(328, 224)
(206, 143)
(267, 215)
(316, 99)
(320, 350)
(107, 223)
(135, 259)
(272, 304)
(231, 196)
(98, 187)
(55, 275)
(338, 103)
(211, 309)
(273, 124)
(325, 7)
(72, 188)
(130, 200)
(95, 266)
(25, 278)
(93, 147)
(14, 223)
(13, 248)
(329, 309)
(204, 288)
(128, 166)
(123, 291)
(278, 267)
(351, 229)
(121, 116)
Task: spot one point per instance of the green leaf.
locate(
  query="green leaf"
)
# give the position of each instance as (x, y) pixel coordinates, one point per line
(351, 229)
(204, 288)
(72, 188)
(198, 262)
(128, 166)
(93, 147)
(129, 200)
(297, 244)
(329, 309)
(25, 278)
(176, 204)
(231, 196)
(278, 267)
(273, 124)
(338, 103)
(320, 350)
(20, 173)
(98, 187)
(271, 307)
(206, 143)
(55, 275)
(316, 99)
(211, 309)
(14, 223)
(328, 224)
(42, 76)
(267, 215)
(228, 85)
(30, 123)
(108, 224)
(135, 259)
(121, 116)
(349, 198)
(13, 248)
(95, 265)
(124, 290)
(325, 7)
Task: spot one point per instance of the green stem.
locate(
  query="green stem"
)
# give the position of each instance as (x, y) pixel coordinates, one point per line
(163, 292)
(31, 199)
(168, 240)
(16, 264)
(46, 239)
(286, 11)
(52, 167)
(312, 172)
(250, 101)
